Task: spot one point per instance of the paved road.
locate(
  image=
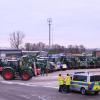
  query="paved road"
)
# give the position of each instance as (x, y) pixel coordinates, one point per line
(39, 88)
(19, 92)
(45, 81)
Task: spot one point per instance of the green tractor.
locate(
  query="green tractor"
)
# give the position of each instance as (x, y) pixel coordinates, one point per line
(23, 68)
(15, 69)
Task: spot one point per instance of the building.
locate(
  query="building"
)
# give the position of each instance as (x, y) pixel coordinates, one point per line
(42, 53)
(96, 53)
(10, 53)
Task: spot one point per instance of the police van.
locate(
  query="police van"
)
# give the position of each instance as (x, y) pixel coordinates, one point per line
(85, 82)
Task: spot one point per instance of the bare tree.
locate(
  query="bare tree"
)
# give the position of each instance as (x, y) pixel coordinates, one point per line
(16, 39)
(82, 49)
(35, 46)
(75, 49)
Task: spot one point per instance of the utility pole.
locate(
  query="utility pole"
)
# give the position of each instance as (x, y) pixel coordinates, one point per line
(49, 23)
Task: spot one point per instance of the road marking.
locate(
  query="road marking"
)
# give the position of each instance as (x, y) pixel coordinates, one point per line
(41, 98)
(6, 82)
(25, 97)
(55, 87)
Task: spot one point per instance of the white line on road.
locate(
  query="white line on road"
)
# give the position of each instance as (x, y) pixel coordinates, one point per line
(41, 98)
(25, 97)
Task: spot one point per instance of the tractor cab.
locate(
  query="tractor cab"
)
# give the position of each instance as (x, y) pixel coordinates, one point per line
(15, 64)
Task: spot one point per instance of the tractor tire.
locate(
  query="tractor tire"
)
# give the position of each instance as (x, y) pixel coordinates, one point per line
(8, 74)
(25, 75)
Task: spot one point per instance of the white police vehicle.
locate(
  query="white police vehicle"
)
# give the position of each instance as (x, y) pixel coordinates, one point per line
(85, 82)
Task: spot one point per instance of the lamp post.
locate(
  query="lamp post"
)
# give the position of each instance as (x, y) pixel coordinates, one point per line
(49, 20)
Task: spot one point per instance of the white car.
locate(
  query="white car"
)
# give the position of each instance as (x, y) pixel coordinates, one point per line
(63, 66)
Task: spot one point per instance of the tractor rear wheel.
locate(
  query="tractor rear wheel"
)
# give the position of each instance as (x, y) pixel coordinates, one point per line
(25, 75)
(8, 74)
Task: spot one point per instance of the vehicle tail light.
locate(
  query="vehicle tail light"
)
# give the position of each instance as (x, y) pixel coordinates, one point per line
(1, 68)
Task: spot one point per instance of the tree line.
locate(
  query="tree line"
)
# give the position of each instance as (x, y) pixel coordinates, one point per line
(16, 39)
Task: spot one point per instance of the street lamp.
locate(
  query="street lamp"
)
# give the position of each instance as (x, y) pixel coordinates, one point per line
(49, 20)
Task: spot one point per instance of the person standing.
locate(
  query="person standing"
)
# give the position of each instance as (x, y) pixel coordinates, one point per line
(46, 70)
(42, 66)
(67, 83)
(61, 82)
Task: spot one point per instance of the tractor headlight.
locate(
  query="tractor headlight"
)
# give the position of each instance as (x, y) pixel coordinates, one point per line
(30, 67)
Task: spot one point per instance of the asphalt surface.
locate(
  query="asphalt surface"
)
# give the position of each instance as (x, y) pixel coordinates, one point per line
(19, 92)
(39, 88)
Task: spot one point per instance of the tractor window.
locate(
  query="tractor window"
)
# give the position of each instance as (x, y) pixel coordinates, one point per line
(12, 63)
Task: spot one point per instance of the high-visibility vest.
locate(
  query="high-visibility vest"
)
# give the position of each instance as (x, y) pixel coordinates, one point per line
(60, 80)
(67, 80)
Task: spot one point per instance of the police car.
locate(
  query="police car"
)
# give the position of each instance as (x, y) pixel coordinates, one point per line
(85, 82)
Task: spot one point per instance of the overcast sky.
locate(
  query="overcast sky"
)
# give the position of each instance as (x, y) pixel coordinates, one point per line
(73, 21)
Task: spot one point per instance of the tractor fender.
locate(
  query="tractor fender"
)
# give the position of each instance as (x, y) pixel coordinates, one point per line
(9, 68)
(30, 70)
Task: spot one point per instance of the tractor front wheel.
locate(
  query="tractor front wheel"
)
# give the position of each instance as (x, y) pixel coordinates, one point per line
(25, 75)
(8, 74)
